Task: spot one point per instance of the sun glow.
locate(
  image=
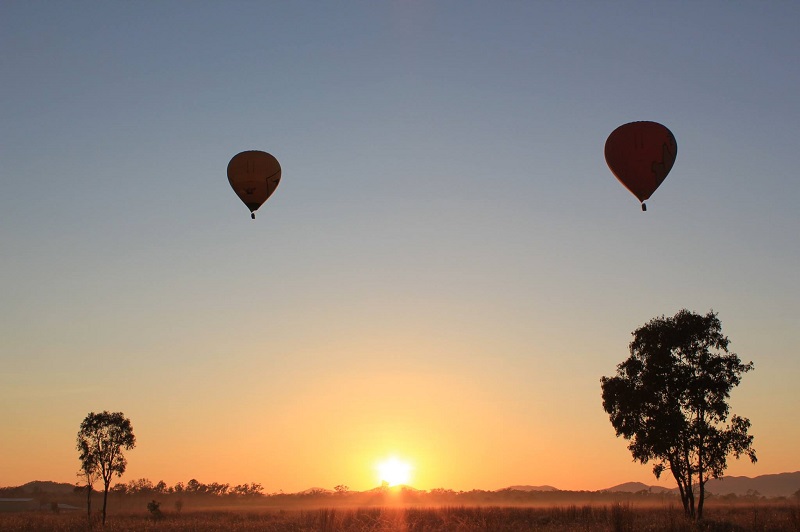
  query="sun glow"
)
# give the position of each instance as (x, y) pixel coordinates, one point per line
(394, 472)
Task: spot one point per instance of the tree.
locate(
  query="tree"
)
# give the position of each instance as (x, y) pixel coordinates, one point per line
(670, 399)
(193, 486)
(101, 440)
(247, 490)
(154, 507)
(88, 473)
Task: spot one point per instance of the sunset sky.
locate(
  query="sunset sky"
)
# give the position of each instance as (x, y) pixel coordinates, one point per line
(447, 268)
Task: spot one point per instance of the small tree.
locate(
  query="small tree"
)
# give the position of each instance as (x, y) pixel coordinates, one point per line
(670, 399)
(88, 473)
(154, 507)
(101, 440)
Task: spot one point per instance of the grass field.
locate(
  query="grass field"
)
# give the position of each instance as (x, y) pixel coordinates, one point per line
(617, 517)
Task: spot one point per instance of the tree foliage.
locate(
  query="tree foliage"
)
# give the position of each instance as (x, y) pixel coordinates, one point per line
(193, 487)
(101, 439)
(670, 399)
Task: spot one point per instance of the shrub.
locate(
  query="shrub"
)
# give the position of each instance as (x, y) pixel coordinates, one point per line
(154, 508)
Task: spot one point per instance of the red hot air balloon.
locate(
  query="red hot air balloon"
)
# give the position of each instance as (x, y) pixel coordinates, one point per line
(640, 155)
(254, 176)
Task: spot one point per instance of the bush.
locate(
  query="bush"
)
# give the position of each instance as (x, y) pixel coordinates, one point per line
(154, 508)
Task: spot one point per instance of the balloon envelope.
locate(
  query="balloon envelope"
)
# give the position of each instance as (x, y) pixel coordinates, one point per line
(640, 155)
(254, 176)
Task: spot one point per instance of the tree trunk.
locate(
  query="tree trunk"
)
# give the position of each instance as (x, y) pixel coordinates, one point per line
(702, 484)
(684, 498)
(689, 489)
(89, 504)
(681, 481)
(105, 500)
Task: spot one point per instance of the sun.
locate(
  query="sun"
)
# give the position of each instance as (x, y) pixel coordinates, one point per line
(394, 472)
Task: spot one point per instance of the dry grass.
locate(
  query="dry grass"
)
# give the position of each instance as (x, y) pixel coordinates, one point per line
(617, 517)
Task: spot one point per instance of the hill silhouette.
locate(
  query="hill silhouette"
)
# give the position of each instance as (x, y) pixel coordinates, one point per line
(772, 485)
(532, 488)
(636, 487)
(776, 485)
(47, 486)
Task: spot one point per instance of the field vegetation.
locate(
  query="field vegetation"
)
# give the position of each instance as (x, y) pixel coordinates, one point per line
(616, 517)
(410, 510)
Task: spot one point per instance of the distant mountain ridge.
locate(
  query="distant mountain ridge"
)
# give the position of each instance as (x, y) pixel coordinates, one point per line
(775, 485)
(772, 485)
(531, 488)
(47, 486)
(636, 487)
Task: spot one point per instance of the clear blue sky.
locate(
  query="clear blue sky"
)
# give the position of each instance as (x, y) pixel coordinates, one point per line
(445, 271)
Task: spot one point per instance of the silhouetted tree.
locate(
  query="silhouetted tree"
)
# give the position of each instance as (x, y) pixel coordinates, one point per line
(193, 486)
(670, 399)
(141, 485)
(154, 507)
(101, 440)
(247, 490)
(88, 473)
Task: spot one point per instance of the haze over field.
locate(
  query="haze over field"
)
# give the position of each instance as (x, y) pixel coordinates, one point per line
(448, 266)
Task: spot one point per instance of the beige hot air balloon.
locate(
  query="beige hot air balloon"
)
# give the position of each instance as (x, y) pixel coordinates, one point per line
(254, 176)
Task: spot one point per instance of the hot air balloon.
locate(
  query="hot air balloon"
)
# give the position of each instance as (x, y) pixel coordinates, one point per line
(254, 176)
(640, 155)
